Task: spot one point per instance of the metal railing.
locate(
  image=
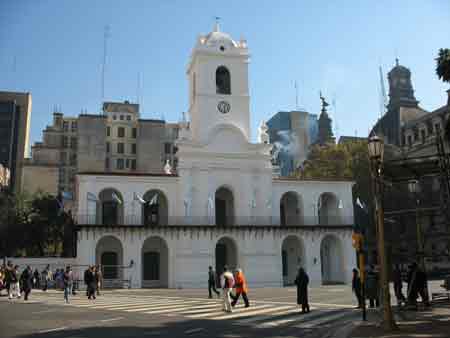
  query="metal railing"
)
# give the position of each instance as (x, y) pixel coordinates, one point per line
(228, 221)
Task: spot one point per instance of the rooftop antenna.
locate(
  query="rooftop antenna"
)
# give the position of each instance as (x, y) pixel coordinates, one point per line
(296, 94)
(138, 88)
(106, 35)
(383, 98)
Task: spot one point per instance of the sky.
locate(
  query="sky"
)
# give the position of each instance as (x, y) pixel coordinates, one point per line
(54, 49)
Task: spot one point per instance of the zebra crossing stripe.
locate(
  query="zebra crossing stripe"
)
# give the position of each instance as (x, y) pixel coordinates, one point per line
(288, 312)
(268, 321)
(235, 312)
(140, 304)
(169, 308)
(251, 313)
(162, 306)
(201, 309)
(181, 309)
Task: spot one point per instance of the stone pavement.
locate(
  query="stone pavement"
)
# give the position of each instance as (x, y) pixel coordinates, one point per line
(432, 323)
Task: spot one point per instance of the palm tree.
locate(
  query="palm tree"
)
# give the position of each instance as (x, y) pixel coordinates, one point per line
(443, 65)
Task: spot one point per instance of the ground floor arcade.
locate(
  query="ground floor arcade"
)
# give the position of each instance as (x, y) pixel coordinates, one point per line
(179, 256)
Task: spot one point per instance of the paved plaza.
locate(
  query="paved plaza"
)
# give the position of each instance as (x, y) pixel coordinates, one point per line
(176, 313)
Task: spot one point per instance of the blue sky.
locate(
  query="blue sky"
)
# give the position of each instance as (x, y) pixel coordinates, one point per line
(54, 49)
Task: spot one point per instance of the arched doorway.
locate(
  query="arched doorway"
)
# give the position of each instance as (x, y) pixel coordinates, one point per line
(155, 263)
(226, 254)
(224, 206)
(292, 258)
(328, 209)
(332, 264)
(109, 255)
(290, 209)
(110, 207)
(155, 210)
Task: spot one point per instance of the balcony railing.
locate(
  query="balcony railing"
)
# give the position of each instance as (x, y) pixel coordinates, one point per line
(137, 220)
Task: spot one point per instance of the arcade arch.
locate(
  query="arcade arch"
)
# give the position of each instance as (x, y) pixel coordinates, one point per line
(155, 263)
(110, 207)
(226, 253)
(332, 260)
(328, 209)
(109, 255)
(291, 209)
(224, 206)
(292, 257)
(155, 210)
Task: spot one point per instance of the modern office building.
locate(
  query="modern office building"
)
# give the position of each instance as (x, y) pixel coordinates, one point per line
(15, 114)
(291, 133)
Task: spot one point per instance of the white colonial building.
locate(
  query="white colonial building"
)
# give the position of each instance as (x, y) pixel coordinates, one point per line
(222, 206)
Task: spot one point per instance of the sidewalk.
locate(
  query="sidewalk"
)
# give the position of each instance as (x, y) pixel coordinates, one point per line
(432, 323)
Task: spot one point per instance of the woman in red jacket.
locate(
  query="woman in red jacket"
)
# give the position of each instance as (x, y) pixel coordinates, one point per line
(241, 288)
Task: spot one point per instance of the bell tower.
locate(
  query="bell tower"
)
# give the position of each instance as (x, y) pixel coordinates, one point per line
(218, 85)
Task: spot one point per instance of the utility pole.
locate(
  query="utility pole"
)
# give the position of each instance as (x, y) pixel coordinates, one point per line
(383, 97)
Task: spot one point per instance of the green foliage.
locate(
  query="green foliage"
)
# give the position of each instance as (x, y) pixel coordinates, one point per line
(31, 225)
(443, 65)
(348, 161)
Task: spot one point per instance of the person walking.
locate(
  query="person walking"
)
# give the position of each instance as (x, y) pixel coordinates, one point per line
(398, 285)
(86, 279)
(15, 285)
(212, 282)
(372, 289)
(98, 279)
(68, 282)
(27, 281)
(91, 283)
(422, 289)
(36, 279)
(302, 281)
(241, 288)
(8, 275)
(46, 277)
(227, 284)
(412, 286)
(356, 288)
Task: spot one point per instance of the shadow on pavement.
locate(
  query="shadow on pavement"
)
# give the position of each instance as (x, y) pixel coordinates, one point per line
(430, 323)
(197, 328)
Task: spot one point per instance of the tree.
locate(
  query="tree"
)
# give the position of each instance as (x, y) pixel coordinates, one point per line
(32, 225)
(443, 65)
(348, 161)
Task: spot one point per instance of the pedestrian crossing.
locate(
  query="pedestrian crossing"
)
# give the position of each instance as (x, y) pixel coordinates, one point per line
(261, 314)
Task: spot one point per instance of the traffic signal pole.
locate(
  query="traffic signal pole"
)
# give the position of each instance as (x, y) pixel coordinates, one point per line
(357, 241)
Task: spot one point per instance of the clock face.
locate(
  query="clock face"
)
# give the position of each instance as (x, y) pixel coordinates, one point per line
(224, 107)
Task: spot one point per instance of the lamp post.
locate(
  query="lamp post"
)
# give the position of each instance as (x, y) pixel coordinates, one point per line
(414, 189)
(376, 153)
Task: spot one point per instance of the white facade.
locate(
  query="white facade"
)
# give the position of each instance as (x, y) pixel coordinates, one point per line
(223, 205)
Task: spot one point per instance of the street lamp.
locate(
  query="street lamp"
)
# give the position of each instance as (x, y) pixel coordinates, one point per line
(376, 154)
(414, 189)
